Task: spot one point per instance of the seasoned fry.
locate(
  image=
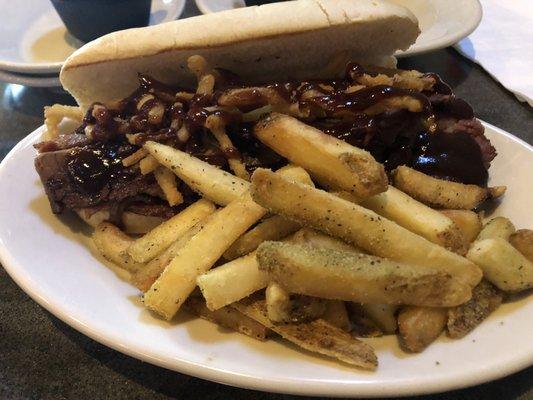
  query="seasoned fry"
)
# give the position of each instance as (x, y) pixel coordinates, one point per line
(134, 158)
(502, 264)
(464, 318)
(467, 221)
(499, 227)
(148, 164)
(147, 275)
(317, 336)
(384, 315)
(112, 244)
(522, 240)
(232, 281)
(418, 327)
(357, 277)
(217, 128)
(273, 228)
(418, 218)
(337, 315)
(357, 225)
(439, 192)
(157, 240)
(333, 162)
(283, 306)
(178, 280)
(312, 238)
(53, 115)
(167, 181)
(217, 185)
(228, 317)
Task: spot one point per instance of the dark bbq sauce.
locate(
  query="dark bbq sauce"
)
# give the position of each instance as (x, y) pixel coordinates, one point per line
(91, 168)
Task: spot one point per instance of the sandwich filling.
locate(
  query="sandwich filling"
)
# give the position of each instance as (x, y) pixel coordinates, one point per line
(400, 117)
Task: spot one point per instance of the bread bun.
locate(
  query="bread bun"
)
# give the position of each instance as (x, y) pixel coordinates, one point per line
(287, 40)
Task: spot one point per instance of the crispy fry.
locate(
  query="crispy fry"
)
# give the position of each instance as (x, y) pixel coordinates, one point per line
(522, 240)
(357, 277)
(384, 315)
(157, 240)
(317, 336)
(232, 281)
(333, 162)
(148, 164)
(134, 158)
(502, 264)
(357, 225)
(178, 280)
(167, 181)
(112, 244)
(273, 228)
(145, 277)
(53, 115)
(216, 126)
(419, 326)
(464, 318)
(418, 218)
(283, 306)
(439, 192)
(217, 185)
(362, 326)
(499, 227)
(312, 238)
(336, 314)
(228, 317)
(467, 221)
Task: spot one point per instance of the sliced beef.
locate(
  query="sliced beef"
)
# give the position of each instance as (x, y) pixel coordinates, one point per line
(63, 142)
(65, 188)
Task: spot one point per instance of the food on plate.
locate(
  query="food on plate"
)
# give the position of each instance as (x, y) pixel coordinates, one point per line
(289, 171)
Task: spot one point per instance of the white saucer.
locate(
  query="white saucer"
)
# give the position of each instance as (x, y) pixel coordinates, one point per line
(34, 39)
(442, 22)
(47, 81)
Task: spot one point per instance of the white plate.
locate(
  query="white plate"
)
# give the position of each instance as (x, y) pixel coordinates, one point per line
(47, 81)
(442, 22)
(35, 40)
(51, 260)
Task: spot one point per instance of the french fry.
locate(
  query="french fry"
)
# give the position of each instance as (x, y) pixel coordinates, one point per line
(316, 336)
(167, 181)
(145, 277)
(467, 221)
(418, 218)
(217, 128)
(232, 281)
(228, 317)
(464, 318)
(502, 264)
(439, 192)
(112, 244)
(332, 161)
(312, 238)
(283, 306)
(336, 314)
(357, 277)
(148, 164)
(134, 158)
(273, 228)
(499, 227)
(178, 280)
(522, 240)
(53, 115)
(211, 182)
(362, 326)
(158, 239)
(355, 224)
(418, 327)
(384, 315)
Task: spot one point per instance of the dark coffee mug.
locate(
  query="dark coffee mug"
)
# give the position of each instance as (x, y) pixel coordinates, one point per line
(89, 19)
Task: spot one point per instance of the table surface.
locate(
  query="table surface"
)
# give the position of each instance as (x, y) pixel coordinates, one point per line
(43, 358)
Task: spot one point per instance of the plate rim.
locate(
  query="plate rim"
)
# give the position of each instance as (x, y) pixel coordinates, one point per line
(218, 375)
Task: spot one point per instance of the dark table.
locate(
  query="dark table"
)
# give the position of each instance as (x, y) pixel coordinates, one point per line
(42, 358)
